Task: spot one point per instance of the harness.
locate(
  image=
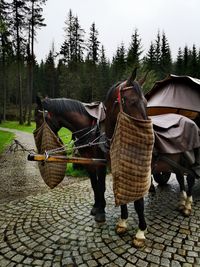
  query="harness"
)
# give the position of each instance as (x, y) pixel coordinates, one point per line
(120, 99)
(85, 138)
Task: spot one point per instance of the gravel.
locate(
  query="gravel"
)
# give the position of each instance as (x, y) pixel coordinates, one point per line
(19, 177)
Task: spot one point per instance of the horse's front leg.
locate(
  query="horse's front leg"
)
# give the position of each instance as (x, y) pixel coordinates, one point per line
(139, 239)
(121, 226)
(98, 185)
(101, 182)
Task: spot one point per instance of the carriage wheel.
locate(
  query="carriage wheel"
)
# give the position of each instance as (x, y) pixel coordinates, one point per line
(162, 177)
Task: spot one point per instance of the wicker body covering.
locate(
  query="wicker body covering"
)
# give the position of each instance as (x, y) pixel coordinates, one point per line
(45, 139)
(131, 153)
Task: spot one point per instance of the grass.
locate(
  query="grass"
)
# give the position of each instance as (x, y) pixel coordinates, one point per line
(6, 139)
(64, 134)
(15, 125)
(75, 172)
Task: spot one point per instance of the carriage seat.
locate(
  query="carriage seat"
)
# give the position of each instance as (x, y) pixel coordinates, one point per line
(97, 110)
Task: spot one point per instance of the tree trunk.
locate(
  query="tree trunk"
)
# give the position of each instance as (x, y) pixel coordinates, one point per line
(4, 84)
(31, 67)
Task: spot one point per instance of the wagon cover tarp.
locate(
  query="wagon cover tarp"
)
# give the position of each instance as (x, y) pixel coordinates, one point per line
(174, 92)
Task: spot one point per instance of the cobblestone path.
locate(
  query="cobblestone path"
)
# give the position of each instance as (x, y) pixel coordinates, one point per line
(54, 228)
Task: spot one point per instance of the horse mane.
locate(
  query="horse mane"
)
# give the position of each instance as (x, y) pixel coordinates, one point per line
(62, 105)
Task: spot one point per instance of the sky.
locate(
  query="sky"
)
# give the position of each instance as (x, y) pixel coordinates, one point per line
(116, 21)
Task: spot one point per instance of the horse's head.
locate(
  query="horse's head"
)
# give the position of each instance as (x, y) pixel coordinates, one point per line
(126, 96)
(131, 98)
(42, 114)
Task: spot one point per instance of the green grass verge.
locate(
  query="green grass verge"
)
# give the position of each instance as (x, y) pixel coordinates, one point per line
(64, 134)
(5, 140)
(15, 125)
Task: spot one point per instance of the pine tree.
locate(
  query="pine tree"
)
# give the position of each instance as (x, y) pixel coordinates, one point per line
(35, 21)
(50, 74)
(198, 62)
(179, 63)
(193, 64)
(72, 49)
(165, 57)
(186, 60)
(79, 41)
(134, 51)
(92, 61)
(150, 58)
(93, 45)
(119, 64)
(158, 50)
(104, 75)
(66, 47)
(18, 9)
(5, 52)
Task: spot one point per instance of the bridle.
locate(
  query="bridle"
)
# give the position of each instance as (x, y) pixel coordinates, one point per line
(120, 99)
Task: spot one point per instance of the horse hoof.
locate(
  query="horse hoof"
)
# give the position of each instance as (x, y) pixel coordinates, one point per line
(138, 242)
(152, 189)
(186, 212)
(94, 211)
(120, 230)
(181, 208)
(100, 217)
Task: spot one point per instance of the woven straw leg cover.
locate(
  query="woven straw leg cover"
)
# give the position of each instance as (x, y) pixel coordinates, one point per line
(131, 154)
(45, 139)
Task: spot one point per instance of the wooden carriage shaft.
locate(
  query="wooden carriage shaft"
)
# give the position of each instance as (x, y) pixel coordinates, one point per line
(77, 160)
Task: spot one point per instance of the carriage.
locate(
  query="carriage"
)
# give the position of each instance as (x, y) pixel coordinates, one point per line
(178, 95)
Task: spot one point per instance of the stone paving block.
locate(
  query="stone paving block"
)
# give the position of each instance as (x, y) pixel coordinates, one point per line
(165, 262)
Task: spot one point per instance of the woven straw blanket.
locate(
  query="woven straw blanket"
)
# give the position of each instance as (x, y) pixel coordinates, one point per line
(131, 153)
(45, 140)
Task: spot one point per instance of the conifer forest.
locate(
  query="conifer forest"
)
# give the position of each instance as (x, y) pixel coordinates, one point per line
(80, 68)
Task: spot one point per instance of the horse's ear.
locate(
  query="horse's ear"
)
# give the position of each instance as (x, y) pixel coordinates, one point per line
(38, 101)
(132, 78)
(142, 80)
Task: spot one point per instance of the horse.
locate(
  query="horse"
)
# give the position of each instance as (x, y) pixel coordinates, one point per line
(71, 114)
(181, 164)
(134, 103)
(129, 95)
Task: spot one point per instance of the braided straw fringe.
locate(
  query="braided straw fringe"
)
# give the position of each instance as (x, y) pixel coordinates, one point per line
(131, 154)
(45, 139)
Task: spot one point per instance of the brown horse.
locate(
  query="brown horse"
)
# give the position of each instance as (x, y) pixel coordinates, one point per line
(72, 115)
(134, 104)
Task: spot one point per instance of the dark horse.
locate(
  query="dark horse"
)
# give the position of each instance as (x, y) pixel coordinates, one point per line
(72, 115)
(134, 104)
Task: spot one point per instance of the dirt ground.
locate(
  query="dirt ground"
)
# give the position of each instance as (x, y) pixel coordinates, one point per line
(20, 177)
